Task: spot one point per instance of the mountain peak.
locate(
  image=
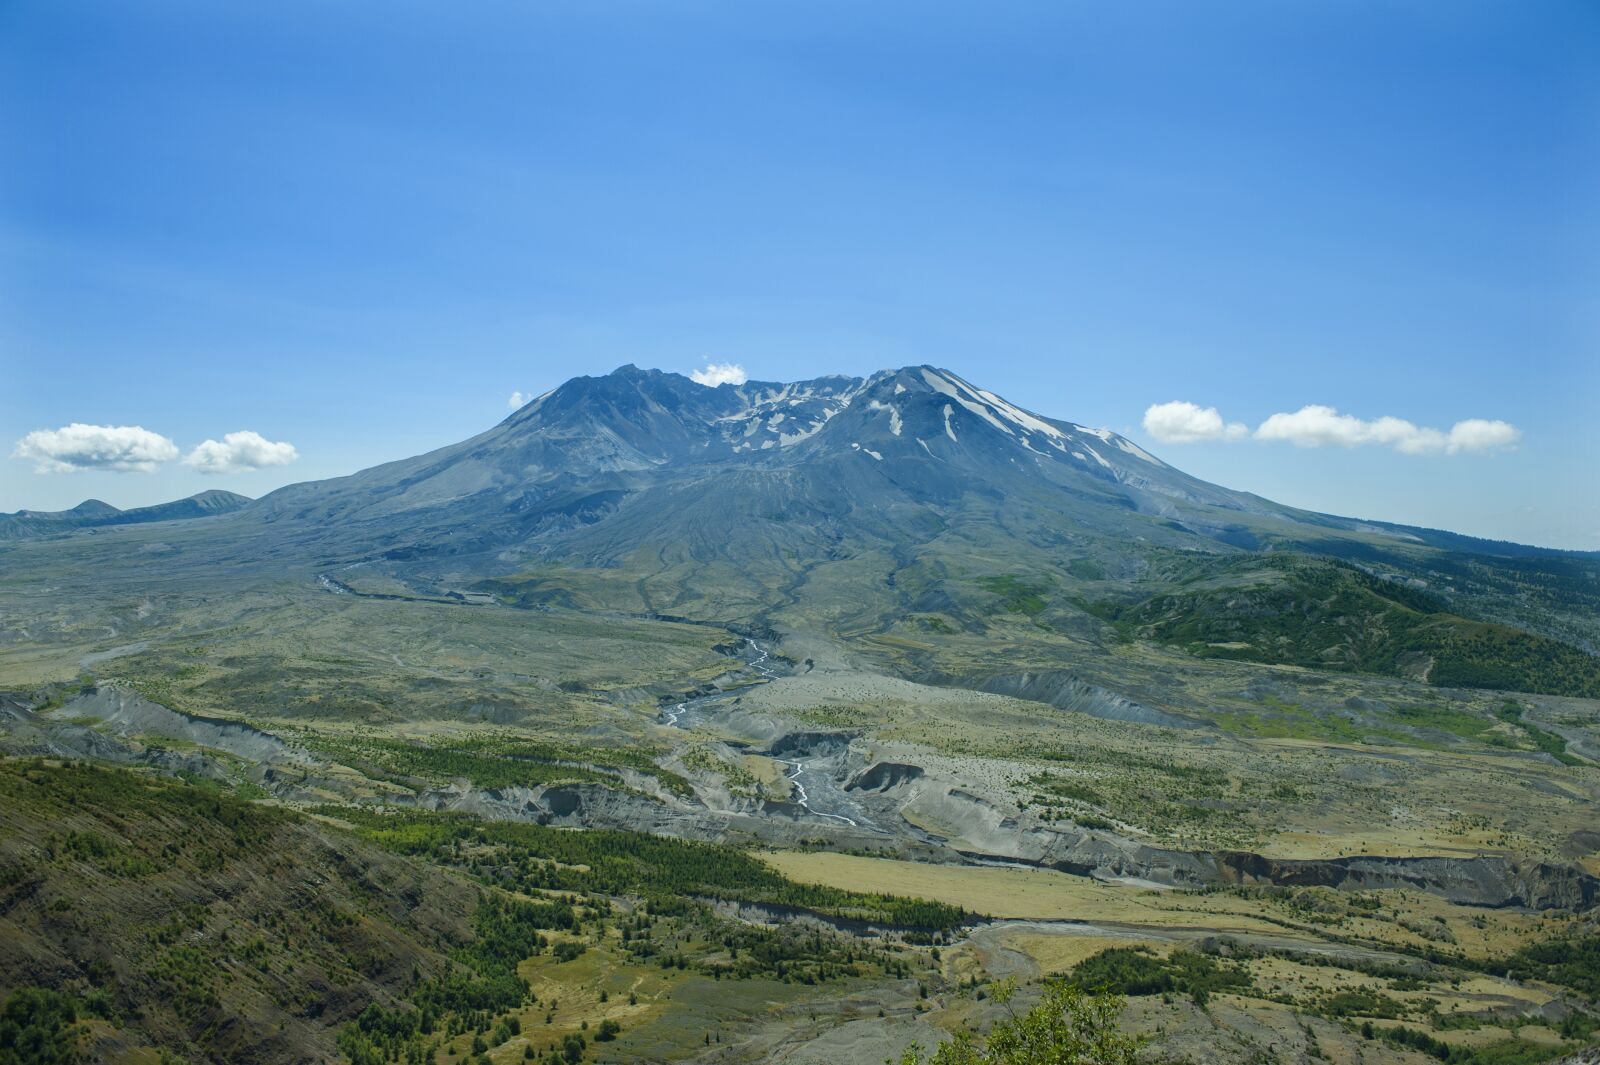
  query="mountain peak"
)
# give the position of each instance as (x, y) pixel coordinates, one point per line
(217, 499)
(651, 447)
(635, 417)
(629, 370)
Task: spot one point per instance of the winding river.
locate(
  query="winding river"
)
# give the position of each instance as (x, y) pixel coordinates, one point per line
(814, 792)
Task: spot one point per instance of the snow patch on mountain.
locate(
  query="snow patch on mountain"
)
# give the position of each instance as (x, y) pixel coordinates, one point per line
(895, 423)
(1138, 452)
(964, 395)
(1020, 416)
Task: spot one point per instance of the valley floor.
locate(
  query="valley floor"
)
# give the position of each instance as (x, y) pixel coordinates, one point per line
(304, 822)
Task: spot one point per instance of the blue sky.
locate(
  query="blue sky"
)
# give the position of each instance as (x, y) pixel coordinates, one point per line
(356, 228)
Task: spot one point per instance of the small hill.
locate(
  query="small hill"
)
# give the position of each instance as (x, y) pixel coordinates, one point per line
(1325, 614)
(92, 513)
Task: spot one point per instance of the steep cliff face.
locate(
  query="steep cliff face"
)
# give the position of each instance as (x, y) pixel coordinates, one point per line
(1484, 880)
(1062, 690)
(1478, 881)
(985, 831)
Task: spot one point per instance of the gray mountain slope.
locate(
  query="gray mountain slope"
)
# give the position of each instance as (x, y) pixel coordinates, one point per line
(640, 456)
(721, 504)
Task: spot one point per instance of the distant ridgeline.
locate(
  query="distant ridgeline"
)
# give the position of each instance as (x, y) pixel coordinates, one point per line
(92, 513)
(1325, 614)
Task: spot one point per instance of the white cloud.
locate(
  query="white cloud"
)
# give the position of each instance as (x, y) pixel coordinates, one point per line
(1187, 423)
(715, 374)
(122, 448)
(517, 400)
(1483, 434)
(1316, 425)
(238, 452)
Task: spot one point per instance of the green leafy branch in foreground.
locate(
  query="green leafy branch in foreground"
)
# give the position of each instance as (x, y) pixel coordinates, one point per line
(1069, 1026)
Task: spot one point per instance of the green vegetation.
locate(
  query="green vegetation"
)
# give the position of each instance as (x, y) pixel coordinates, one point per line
(1558, 594)
(505, 932)
(1140, 971)
(1060, 787)
(739, 780)
(691, 936)
(210, 906)
(48, 790)
(1571, 962)
(1506, 1052)
(36, 1028)
(1202, 779)
(489, 762)
(1067, 1027)
(1281, 720)
(1054, 794)
(518, 749)
(1165, 797)
(1086, 569)
(1484, 655)
(1325, 614)
(1548, 742)
(575, 876)
(1018, 595)
(662, 870)
(1443, 719)
(1362, 1002)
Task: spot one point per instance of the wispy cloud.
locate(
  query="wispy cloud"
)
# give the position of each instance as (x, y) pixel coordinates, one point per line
(1317, 425)
(517, 400)
(76, 447)
(1188, 423)
(725, 373)
(240, 452)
